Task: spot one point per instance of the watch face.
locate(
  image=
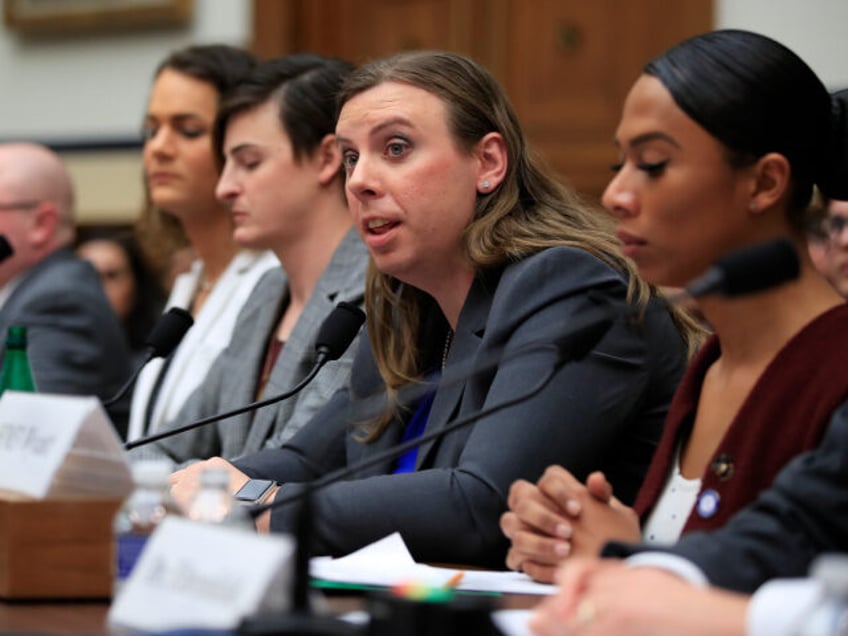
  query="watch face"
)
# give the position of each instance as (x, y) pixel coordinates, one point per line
(254, 489)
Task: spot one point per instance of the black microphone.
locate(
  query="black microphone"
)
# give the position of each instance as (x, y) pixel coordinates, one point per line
(583, 335)
(6, 249)
(167, 333)
(581, 338)
(748, 270)
(162, 340)
(589, 337)
(334, 336)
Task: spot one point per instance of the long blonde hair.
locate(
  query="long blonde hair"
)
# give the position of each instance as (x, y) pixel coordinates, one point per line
(529, 211)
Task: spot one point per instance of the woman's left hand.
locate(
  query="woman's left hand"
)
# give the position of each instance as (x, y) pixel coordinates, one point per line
(186, 482)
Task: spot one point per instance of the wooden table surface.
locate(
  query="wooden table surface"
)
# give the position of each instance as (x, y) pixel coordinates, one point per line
(89, 617)
(83, 617)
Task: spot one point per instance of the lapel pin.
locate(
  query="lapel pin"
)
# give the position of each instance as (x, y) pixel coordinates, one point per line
(708, 503)
(723, 466)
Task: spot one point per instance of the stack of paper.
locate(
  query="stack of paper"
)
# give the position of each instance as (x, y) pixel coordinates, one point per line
(387, 563)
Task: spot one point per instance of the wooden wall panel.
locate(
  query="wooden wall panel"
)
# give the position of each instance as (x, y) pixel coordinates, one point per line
(566, 64)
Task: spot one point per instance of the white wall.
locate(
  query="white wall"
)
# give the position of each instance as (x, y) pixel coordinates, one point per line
(814, 29)
(95, 87)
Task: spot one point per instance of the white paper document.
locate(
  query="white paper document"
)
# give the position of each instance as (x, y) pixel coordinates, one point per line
(209, 576)
(387, 562)
(512, 622)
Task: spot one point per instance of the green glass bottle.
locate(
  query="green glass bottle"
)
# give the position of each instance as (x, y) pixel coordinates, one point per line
(16, 374)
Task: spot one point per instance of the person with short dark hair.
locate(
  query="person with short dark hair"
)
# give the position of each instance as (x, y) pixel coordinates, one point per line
(282, 181)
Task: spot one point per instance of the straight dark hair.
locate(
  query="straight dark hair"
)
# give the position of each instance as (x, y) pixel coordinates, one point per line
(304, 87)
(756, 96)
(221, 65)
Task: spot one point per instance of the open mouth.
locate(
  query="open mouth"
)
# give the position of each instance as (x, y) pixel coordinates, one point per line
(380, 226)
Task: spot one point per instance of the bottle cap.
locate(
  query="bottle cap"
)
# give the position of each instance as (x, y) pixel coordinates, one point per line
(16, 336)
(215, 478)
(153, 472)
(832, 570)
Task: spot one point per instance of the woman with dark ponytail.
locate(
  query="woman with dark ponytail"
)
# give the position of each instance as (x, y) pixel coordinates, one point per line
(721, 141)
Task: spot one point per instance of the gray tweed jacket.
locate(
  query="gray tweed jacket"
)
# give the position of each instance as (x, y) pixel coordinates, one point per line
(231, 381)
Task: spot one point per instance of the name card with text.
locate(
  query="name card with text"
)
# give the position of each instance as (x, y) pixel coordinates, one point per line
(205, 576)
(60, 446)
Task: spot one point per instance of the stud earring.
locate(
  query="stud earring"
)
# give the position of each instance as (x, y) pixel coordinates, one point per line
(753, 206)
(485, 185)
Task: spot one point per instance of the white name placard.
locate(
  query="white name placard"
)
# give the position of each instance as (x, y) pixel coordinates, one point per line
(60, 445)
(195, 575)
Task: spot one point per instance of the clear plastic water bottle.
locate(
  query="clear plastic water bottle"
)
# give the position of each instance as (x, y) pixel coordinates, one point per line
(213, 502)
(830, 615)
(140, 515)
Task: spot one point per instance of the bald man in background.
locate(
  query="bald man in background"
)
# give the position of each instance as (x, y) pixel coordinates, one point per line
(75, 342)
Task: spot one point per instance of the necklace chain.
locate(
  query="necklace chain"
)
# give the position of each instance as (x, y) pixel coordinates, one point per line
(206, 284)
(446, 350)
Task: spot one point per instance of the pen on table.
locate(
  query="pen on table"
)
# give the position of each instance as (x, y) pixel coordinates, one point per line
(453, 581)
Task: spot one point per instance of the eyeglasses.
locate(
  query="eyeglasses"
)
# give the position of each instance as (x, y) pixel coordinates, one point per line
(835, 225)
(19, 205)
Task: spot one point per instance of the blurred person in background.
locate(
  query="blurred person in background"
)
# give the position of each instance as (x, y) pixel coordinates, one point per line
(181, 172)
(131, 287)
(75, 343)
(828, 241)
(283, 182)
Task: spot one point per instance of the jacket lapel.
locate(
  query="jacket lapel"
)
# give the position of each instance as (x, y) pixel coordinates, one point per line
(260, 424)
(470, 330)
(342, 280)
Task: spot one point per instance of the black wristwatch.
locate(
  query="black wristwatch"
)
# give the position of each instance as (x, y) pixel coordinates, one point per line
(255, 491)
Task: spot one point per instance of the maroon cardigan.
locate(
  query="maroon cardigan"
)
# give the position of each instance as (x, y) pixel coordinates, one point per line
(786, 413)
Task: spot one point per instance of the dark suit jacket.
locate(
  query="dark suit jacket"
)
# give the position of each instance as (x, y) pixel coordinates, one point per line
(603, 412)
(75, 342)
(803, 514)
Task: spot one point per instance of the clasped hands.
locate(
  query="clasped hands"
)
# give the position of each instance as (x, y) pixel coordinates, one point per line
(560, 517)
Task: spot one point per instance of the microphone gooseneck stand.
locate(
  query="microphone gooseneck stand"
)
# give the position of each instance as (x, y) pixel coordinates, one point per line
(166, 334)
(142, 441)
(334, 337)
(301, 619)
(744, 271)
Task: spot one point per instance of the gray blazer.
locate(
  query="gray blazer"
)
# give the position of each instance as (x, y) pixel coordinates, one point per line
(604, 411)
(76, 345)
(231, 381)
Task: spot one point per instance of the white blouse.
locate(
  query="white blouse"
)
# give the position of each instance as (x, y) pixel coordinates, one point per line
(666, 521)
(210, 334)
